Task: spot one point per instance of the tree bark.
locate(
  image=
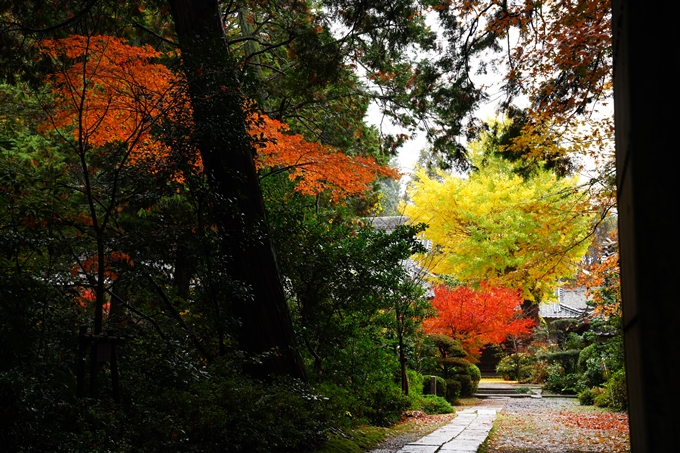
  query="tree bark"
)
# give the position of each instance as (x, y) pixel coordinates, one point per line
(238, 205)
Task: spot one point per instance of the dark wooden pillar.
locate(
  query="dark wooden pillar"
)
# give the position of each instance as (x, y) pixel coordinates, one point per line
(648, 181)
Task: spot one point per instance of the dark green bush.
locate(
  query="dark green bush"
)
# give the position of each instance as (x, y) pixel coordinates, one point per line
(385, 404)
(427, 385)
(466, 385)
(475, 374)
(560, 382)
(567, 359)
(379, 404)
(452, 391)
(591, 364)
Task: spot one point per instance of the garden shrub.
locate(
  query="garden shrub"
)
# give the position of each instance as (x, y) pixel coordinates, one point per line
(509, 365)
(567, 359)
(587, 397)
(431, 404)
(537, 372)
(615, 391)
(441, 385)
(466, 386)
(600, 399)
(591, 364)
(415, 382)
(385, 404)
(475, 374)
(380, 403)
(560, 382)
(453, 388)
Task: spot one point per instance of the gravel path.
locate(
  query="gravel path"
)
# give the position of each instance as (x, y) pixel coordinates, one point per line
(557, 425)
(546, 425)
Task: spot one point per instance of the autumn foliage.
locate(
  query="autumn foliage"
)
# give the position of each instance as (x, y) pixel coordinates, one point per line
(107, 90)
(110, 92)
(497, 227)
(602, 280)
(478, 317)
(315, 167)
(558, 53)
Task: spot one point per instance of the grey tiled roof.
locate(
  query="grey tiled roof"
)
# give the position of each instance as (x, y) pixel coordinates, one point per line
(571, 303)
(388, 223)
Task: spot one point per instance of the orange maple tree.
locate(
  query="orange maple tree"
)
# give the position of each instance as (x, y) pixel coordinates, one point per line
(602, 280)
(478, 317)
(107, 91)
(315, 167)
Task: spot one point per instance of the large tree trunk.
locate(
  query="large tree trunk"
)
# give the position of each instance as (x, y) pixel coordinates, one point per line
(238, 206)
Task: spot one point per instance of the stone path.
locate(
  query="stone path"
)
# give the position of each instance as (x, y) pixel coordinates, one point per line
(464, 434)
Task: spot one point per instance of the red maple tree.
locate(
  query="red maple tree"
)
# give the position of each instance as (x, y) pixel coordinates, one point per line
(478, 317)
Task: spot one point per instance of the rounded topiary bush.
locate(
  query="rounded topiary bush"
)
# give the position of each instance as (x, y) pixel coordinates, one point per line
(427, 386)
(476, 376)
(474, 373)
(466, 386)
(452, 391)
(431, 404)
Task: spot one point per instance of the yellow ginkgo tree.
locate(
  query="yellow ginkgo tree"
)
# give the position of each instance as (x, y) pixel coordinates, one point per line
(497, 227)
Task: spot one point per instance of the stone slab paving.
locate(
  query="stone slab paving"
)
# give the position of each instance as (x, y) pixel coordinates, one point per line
(464, 434)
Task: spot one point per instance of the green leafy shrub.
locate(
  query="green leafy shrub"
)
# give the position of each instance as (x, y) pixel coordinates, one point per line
(453, 388)
(475, 374)
(466, 386)
(441, 385)
(591, 364)
(385, 404)
(415, 382)
(380, 404)
(515, 367)
(567, 359)
(431, 404)
(587, 397)
(615, 395)
(560, 382)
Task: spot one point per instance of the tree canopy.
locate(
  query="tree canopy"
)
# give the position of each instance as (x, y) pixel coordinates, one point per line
(478, 317)
(497, 227)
